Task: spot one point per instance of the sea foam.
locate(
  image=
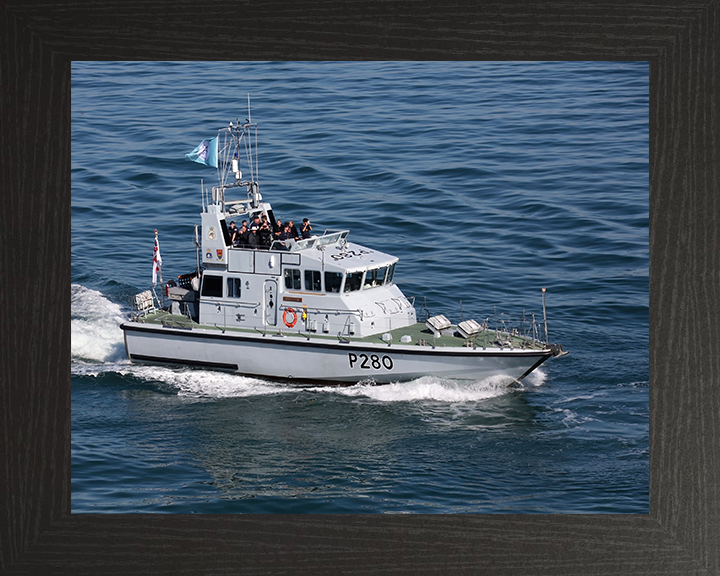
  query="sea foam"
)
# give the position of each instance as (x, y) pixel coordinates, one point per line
(95, 326)
(428, 388)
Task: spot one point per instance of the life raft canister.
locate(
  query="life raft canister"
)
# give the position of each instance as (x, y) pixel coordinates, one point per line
(289, 323)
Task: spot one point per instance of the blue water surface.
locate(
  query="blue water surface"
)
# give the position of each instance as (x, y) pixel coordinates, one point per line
(489, 180)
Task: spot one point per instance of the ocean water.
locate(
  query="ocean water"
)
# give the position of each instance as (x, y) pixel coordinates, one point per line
(489, 180)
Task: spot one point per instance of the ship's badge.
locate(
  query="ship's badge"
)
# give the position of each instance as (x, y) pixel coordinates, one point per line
(208, 255)
(219, 254)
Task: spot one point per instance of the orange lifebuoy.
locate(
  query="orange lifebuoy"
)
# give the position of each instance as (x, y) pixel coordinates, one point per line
(292, 322)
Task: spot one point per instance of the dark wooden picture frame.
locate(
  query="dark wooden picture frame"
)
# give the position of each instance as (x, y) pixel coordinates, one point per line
(680, 535)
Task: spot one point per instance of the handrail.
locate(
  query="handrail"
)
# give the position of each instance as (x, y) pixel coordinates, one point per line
(357, 312)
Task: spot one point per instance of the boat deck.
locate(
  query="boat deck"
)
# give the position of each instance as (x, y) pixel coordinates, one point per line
(419, 334)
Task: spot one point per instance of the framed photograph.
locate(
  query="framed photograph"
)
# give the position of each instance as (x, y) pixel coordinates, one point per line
(601, 492)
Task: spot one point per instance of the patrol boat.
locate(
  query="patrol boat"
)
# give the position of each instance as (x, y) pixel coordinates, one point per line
(313, 310)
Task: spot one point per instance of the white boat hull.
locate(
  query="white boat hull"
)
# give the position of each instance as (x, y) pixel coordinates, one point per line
(317, 360)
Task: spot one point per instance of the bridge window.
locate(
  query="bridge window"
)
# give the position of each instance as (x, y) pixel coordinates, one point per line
(212, 286)
(353, 282)
(375, 277)
(333, 281)
(390, 274)
(312, 281)
(234, 287)
(292, 279)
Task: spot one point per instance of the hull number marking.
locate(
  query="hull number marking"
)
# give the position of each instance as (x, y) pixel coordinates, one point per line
(372, 362)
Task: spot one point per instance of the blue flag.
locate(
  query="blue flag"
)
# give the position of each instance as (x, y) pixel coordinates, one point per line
(205, 153)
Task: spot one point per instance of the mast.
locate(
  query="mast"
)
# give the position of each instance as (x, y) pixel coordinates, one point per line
(230, 152)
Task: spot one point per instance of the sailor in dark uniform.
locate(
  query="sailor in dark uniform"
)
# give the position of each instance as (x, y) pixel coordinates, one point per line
(241, 237)
(306, 228)
(232, 230)
(254, 236)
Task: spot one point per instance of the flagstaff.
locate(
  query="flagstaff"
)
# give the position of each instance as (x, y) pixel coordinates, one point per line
(157, 266)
